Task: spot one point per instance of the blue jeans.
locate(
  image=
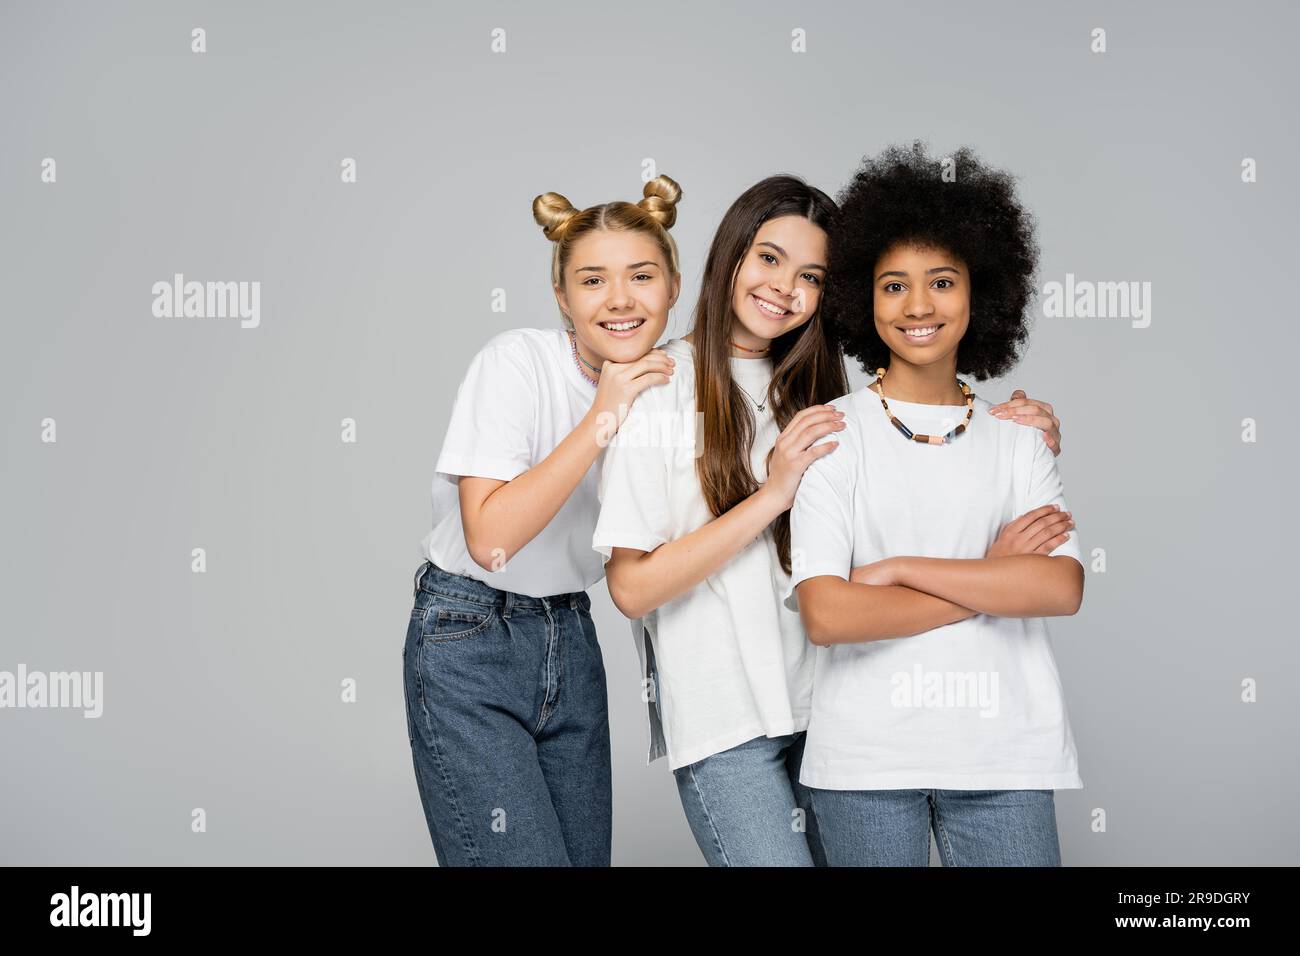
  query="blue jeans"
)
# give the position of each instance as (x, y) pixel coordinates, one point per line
(971, 827)
(746, 806)
(508, 722)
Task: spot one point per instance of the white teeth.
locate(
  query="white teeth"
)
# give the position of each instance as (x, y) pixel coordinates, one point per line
(771, 310)
(920, 333)
(622, 326)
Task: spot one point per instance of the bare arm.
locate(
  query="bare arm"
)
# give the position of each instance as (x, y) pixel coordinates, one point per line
(835, 611)
(1018, 585)
(500, 517)
(877, 602)
(640, 581)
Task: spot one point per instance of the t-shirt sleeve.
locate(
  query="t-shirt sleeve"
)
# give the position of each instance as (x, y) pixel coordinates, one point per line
(1045, 488)
(821, 520)
(493, 419)
(634, 485)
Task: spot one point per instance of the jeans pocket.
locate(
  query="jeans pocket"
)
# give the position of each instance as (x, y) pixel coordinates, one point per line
(456, 621)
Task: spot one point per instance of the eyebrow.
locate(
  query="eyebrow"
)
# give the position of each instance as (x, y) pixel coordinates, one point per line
(635, 265)
(806, 265)
(927, 272)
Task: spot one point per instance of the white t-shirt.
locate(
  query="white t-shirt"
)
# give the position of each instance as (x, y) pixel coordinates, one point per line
(519, 399)
(975, 705)
(733, 662)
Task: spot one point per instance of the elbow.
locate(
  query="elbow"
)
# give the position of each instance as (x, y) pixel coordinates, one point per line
(489, 559)
(813, 624)
(624, 595)
(630, 609)
(1072, 593)
(816, 632)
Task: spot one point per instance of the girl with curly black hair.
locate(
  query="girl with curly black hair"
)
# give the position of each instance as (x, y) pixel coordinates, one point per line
(959, 725)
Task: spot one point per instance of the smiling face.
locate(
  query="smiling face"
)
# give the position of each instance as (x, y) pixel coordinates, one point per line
(617, 291)
(778, 282)
(922, 303)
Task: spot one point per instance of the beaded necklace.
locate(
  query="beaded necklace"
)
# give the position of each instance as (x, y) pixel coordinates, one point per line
(579, 360)
(927, 439)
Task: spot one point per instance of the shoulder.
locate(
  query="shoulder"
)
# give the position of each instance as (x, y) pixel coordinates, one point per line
(1023, 438)
(527, 344)
(849, 440)
(1005, 428)
(536, 354)
(681, 350)
(853, 402)
(679, 390)
(1022, 445)
(857, 406)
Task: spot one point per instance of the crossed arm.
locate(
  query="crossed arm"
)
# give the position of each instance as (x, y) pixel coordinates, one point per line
(899, 597)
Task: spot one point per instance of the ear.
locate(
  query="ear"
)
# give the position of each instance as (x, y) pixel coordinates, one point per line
(563, 300)
(676, 290)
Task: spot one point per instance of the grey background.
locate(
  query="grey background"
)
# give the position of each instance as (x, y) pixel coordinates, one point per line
(222, 689)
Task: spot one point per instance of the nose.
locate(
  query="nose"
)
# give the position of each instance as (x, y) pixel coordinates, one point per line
(918, 303)
(620, 296)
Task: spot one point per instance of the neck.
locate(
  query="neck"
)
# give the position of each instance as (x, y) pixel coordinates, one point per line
(763, 345)
(590, 356)
(754, 347)
(933, 384)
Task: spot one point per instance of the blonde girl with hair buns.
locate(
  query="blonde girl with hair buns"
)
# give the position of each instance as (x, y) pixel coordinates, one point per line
(506, 705)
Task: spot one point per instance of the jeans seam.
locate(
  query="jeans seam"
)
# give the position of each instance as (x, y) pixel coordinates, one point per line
(717, 837)
(458, 596)
(945, 845)
(559, 666)
(467, 836)
(548, 708)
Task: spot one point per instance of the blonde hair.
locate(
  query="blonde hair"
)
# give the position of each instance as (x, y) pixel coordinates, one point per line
(564, 224)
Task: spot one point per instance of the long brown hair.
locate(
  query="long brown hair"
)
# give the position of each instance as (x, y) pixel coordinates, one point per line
(808, 368)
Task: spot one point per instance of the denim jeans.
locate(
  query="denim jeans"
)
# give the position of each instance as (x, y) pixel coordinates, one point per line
(746, 806)
(971, 827)
(508, 722)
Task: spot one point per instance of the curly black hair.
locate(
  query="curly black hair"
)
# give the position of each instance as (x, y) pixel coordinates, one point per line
(900, 196)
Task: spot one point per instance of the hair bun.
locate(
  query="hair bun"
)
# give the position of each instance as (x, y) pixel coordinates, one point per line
(553, 213)
(661, 197)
